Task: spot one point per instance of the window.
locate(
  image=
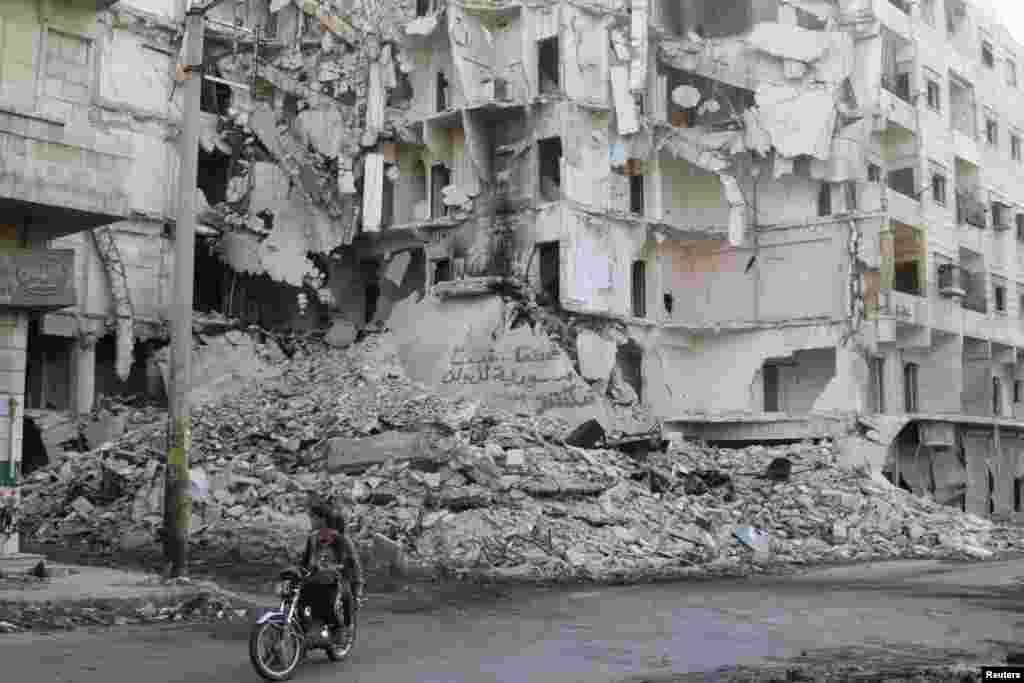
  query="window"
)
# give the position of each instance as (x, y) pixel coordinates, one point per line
(939, 188)
(1011, 73)
(636, 194)
(639, 277)
(442, 270)
(387, 208)
(550, 277)
(874, 173)
(987, 55)
(440, 178)
(68, 75)
(770, 375)
(997, 396)
(997, 214)
(441, 92)
(902, 180)
(548, 64)
(991, 132)
(422, 8)
(910, 387)
(825, 200)
(1018, 386)
(878, 385)
(1015, 147)
(934, 95)
(550, 152)
(1000, 293)
(1020, 227)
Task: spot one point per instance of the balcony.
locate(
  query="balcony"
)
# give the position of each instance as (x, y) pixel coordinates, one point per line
(970, 210)
(62, 183)
(903, 207)
(895, 15)
(947, 315)
(974, 298)
(965, 145)
(895, 103)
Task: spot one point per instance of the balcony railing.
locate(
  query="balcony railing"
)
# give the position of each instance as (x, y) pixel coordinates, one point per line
(898, 85)
(970, 210)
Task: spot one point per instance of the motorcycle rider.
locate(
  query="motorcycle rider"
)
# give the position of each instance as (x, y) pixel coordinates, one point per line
(330, 555)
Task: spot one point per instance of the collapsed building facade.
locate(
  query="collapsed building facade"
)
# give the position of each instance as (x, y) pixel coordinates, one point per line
(761, 221)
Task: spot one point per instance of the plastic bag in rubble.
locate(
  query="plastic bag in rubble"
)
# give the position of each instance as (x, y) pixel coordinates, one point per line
(755, 539)
(199, 484)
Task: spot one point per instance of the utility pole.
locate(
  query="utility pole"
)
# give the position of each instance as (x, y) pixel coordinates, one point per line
(177, 494)
(177, 482)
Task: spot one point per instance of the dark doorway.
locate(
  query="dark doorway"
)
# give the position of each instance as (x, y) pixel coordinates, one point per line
(48, 370)
(371, 290)
(440, 178)
(630, 358)
(636, 194)
(770, 374)
(33, 450)
(549, 272)
(442, 270)
(550, 153)
(639, 277)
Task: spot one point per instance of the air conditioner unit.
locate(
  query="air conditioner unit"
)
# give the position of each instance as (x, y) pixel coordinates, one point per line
(950, 281)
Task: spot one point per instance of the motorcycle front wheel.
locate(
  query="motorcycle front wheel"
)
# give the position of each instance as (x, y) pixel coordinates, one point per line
(336, 653)
(275, 651)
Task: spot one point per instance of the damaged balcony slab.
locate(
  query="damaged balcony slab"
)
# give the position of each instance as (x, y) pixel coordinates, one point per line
(745, 325)
(468, 287)
(56, 181)
(760, 428)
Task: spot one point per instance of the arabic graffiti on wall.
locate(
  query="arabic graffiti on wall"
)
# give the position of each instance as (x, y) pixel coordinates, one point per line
(521, 369)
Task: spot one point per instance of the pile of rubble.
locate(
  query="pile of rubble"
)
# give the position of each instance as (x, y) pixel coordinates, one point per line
(460, 489)
(20, 616)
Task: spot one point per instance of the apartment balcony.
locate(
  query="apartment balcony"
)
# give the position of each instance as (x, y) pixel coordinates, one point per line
(903, 207)
(900, 312)
(965, 145)
(970, 210)
(895, 104)
(57, 181)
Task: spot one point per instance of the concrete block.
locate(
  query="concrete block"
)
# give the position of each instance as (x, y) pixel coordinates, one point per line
(597, 355)
(358, 455)
(341, 334)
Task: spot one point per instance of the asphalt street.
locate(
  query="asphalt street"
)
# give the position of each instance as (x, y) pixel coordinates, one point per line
(924, 611)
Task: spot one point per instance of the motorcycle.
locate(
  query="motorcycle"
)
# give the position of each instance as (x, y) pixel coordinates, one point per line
(293, 632)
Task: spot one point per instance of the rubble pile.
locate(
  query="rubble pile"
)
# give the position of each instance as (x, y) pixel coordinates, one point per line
(20, 616)
(458, 488)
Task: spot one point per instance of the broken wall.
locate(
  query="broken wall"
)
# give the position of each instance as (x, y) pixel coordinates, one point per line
(803, 378)
(707, 281)
(463, 348)
(720, 373)
(599, 273)
(691, 196)
(939, 380)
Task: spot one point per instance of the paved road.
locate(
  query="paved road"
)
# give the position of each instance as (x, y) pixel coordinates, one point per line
(921, 610)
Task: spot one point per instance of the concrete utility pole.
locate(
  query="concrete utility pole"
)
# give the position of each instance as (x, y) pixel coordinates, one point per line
(177, 496)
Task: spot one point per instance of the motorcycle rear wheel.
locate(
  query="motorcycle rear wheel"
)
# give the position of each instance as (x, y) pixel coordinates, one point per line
(256, 655)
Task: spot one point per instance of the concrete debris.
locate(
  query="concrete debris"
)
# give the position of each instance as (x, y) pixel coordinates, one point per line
(789, 42)
(341, 334)
(686, 96)
(436, 484)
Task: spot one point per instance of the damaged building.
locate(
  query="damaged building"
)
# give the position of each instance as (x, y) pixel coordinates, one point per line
(764, 220)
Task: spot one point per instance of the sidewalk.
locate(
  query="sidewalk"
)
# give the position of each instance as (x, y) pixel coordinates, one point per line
(75, 595)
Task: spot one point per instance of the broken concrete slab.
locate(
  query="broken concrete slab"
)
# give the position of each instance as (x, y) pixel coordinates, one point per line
(353, 456)
(596, 355)
(342, 334)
